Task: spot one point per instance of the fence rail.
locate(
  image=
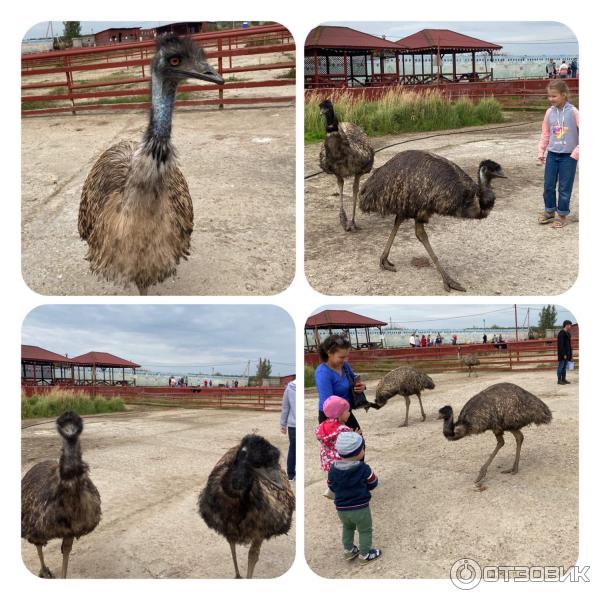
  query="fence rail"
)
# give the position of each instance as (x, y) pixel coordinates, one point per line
(66, 93)
(249, 398)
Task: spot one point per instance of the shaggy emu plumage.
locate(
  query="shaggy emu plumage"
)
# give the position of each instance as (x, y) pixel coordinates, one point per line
(248, 497)
(416, 185)
(346, 152)
(59, 500)
(136, 213)
(403, 381)
(499, 408)
(470, 361)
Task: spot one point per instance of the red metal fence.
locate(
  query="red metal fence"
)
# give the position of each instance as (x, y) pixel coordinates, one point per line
(250, 398)
(69, 91)
(529, 355)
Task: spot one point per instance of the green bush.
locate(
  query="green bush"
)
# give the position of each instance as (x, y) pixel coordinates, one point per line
(56, 402)
(309, 376)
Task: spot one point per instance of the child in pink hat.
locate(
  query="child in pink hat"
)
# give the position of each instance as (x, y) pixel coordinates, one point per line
(337, 411)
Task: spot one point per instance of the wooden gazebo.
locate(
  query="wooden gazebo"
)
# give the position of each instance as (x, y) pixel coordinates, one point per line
(437, 43)
(89, 366)
(42, 367)
(344, 57)
(328, 322)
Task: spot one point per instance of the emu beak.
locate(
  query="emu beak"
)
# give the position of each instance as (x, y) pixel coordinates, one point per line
(272, 474)
(500, 174)
(206, 73)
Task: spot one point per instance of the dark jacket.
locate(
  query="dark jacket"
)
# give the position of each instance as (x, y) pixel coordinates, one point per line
(351, 482)
(563, 345)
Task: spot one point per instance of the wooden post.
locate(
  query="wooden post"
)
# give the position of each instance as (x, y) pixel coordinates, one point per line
(345, 69)
(454, 66)
(491, 65)
(69, 76)
(229, 42)
(397, 69)
(142, 57)
(316, 63)
(220, 69)
(473, 64)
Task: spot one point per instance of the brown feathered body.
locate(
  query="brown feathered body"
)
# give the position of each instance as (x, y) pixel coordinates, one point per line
(244, 505)
(403, 381)
(136, 215)
(59, 500)
(417, 184)
(471, 360)
(346, 152)
(500, 407)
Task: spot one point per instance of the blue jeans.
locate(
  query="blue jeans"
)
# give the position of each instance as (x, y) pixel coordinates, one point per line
(291, 457)
(560, 168)
(561, 371)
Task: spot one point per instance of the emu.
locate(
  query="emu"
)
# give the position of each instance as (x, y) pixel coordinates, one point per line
(136, 213)
(59, 500)
(416, 185)
(346, 152)
(470, 361)
(404, 381)
(498, 408)
(248, 498)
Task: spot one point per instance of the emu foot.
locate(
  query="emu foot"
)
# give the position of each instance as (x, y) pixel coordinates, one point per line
(511, 471)
(46, 573)
(452, 284)
(481, 476)
(405, 424)
(423, 417)
(384, 263)
(344, 219)
(353, 226)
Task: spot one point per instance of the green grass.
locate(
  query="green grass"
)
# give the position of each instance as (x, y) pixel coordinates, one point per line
(401, 112)
(309, 376)
(56, 402)
(289, 74)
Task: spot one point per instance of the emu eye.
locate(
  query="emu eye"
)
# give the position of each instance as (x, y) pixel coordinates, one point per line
(175, 61)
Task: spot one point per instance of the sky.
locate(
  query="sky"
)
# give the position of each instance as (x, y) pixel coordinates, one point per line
(516, 37)
(193, 336)
(446, 316)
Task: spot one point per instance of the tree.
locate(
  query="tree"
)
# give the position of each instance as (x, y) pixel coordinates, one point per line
(547, 319)
(263, 368)
(72, 29)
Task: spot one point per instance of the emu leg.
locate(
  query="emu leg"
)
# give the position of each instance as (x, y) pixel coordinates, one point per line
(65, 548)
(519, 439)
(407, 402)
(469, 371)
(355, 187)
(421, 405)
(343, 217)
(45, 572)
(142, 290)
(484, 468)
(253, 555)
(384, 263)
(234, 556)
(449, 283)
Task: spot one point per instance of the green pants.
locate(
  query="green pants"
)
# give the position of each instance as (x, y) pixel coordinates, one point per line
(357, 520)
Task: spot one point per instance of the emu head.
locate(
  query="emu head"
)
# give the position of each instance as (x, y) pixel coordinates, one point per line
(445, 412)
(178, 59)
(69, 425)
(488, 170)
(326, 107)
(256, 457)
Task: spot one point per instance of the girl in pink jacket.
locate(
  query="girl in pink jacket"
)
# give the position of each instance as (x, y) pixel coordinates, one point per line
(560, 138)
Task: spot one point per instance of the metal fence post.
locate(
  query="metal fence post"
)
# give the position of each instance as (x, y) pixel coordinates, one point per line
(220, 69)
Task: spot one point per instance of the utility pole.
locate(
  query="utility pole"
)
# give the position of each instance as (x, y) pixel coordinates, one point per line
(516, 325)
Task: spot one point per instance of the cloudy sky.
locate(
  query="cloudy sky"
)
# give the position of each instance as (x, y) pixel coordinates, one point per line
(191, 336)
(535, 38)
(446, 316)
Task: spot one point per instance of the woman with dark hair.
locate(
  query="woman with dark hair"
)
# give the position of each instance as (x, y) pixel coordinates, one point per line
(335, 377)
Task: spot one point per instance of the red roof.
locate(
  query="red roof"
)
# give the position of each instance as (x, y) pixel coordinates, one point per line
(326, 36)
(444, 39)
(103, 359)
(341, 318)
(37, 354)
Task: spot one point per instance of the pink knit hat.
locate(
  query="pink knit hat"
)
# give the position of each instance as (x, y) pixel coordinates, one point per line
(334, 406)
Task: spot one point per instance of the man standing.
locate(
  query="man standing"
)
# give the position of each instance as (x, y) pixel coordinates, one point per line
(412, 341)
(287, 423)
(485, 338)
(565, 352)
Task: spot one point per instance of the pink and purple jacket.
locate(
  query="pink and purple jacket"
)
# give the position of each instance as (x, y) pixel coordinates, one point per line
(327, 433)
(560, 131)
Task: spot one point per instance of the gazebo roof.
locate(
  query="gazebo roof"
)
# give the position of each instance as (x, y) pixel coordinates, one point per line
(341, 318)
(444, 39)
(103, 359)
(345, 38)
(37, 354)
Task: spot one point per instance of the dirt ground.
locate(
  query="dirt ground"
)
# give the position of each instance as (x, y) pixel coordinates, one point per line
(505, 254)
(149, 468)
(427, 513)
(240, 168)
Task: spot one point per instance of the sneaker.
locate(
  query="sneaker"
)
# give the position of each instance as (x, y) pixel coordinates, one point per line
(565, 381)
(374, 554)
(329, 494)
(351, 554)
(561, 382)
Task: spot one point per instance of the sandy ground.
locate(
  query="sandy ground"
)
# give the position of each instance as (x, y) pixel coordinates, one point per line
(149, 469)
(239, 165)
(427, 513)
(505, 254)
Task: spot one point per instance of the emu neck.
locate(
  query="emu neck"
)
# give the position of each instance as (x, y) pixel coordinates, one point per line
(158, 134)
(449, 427)
(71, 464)
(331, 122)
(486, 195)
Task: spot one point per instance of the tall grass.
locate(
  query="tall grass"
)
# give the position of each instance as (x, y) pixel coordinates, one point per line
(309, 376)
(398, 111)
(55, 402)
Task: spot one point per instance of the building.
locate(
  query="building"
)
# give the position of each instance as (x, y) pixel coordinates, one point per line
(84, 41)
(184, 28)
(117, 35)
